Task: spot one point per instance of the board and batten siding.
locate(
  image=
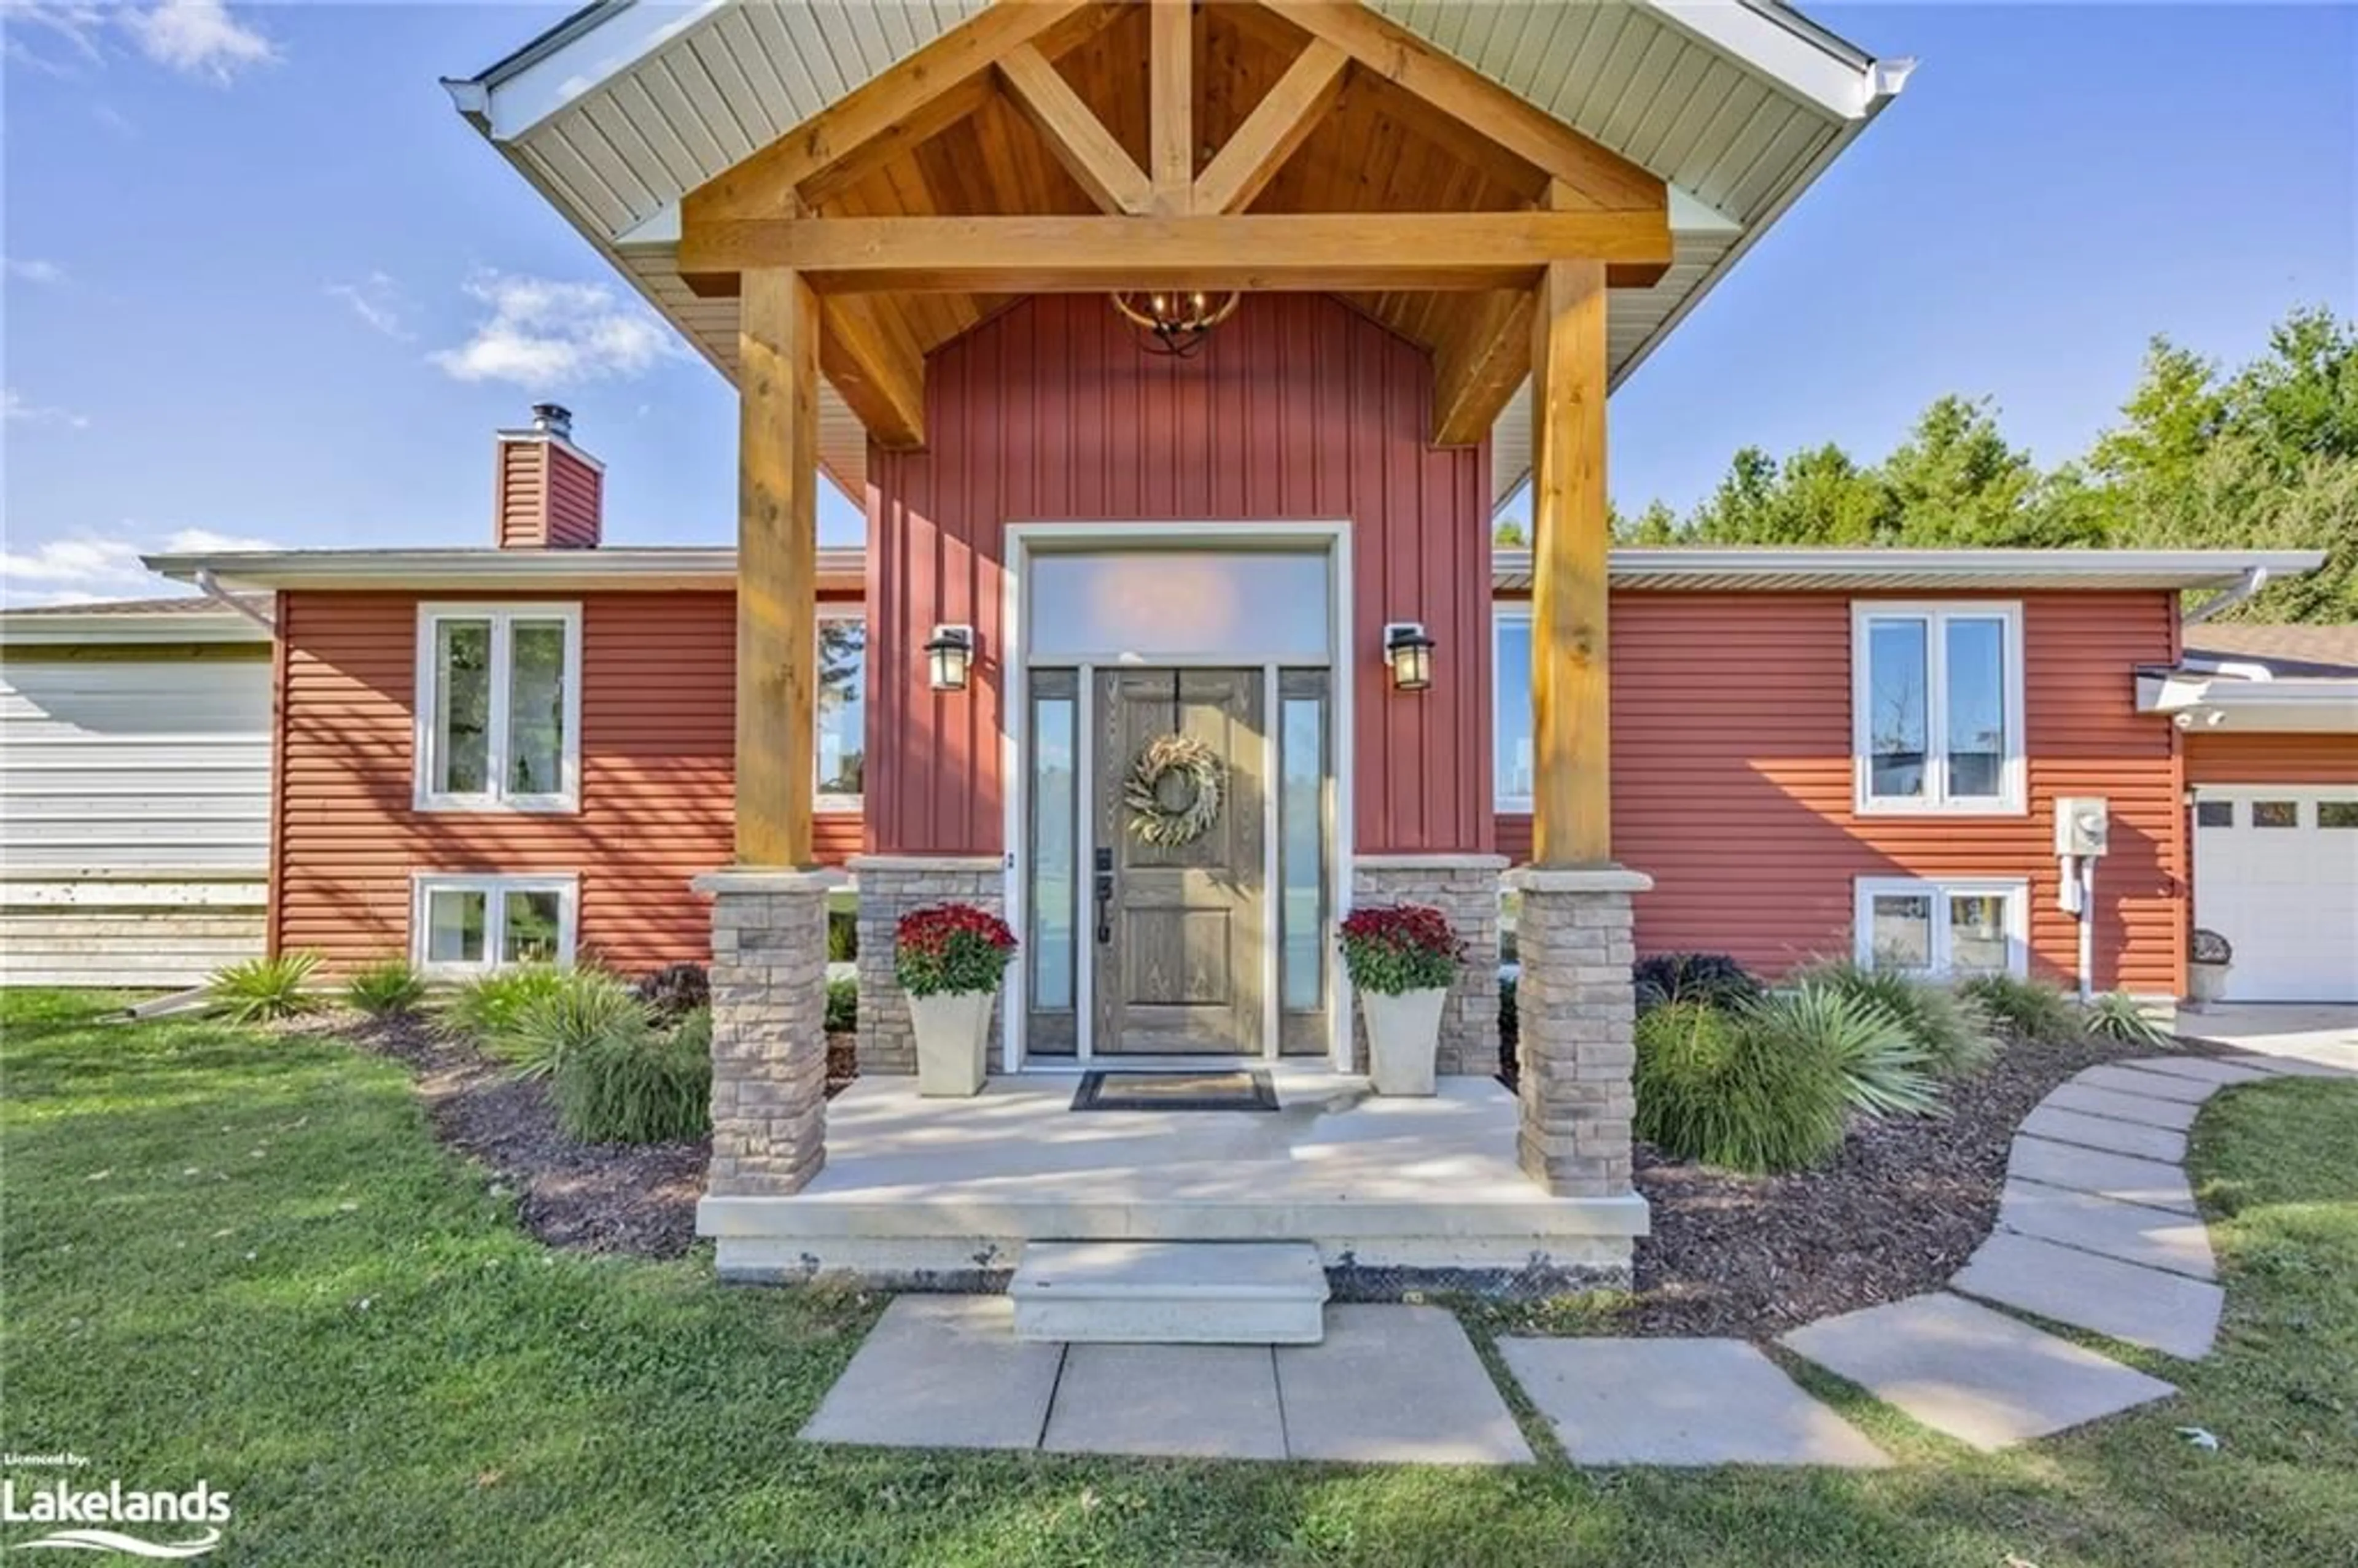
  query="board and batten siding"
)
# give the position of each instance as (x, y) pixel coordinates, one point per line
(658, 737)
(135, 797)
(1732, 784)
(2256, 757)
(1297, 409)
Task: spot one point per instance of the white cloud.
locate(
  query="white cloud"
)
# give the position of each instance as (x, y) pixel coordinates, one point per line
(544, 335)
(82, 567)
(16, 409)
(195, 38)
(377, 300)
(32, 269)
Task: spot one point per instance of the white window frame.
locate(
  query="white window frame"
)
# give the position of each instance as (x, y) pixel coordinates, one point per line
(1501, 616)
(503, 617)
(824, 800)
(2014, 891)
(2013, 796)
(494, 887)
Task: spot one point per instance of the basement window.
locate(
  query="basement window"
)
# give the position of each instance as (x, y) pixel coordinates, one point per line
(1952, 926)
(499, 707)
(460, 924)
(1936, 708)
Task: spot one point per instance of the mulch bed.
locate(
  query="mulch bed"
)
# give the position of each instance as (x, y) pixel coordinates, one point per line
(1895, 1213)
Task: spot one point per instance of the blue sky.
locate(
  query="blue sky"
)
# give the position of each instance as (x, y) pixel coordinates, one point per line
(263, 285)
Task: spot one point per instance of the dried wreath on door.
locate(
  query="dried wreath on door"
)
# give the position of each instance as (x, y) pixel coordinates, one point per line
(1177, 782)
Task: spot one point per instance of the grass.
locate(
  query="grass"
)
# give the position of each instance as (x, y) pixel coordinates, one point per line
(242, 1257)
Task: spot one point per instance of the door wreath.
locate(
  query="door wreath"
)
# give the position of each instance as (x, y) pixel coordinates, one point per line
(1174, 790)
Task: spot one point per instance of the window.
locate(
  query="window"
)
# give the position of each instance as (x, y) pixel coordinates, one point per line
(1511, 718)
(486, 922)
(499, 707)
(1936, 708)
(2341, 813)
(842, 721)
(2214, 814)
(2276, 814)
(1962, 927)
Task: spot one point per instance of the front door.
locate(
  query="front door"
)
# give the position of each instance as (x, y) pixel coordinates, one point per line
(1181, 928)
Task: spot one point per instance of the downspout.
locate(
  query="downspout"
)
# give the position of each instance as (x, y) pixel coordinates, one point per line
(2253, 580)
(210, 586)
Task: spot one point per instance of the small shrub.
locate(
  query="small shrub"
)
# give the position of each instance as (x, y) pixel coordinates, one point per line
(842, 936)
(391, 989)
(589, 1008)
(842, 1006)
(1956, 1035)
(694, 1030)
(2027, 1009)
(262, 991)
(2116, 1015)
(484, 1008)
(674, 991)
(636, 1085)
(1715, 1086)
(951, 949)
(1885, 1071)
(1711, 977)
(1392, 949)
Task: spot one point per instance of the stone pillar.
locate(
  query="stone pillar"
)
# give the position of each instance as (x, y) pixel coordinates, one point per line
(890, 886)
(769, 1039)
(1578, 1013)
(1465, 889)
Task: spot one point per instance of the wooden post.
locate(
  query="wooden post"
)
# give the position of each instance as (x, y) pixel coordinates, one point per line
(777, 567)
(1171, 105)
(1571, 815)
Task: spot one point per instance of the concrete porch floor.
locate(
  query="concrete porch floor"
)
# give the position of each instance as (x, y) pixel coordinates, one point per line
(1395, 1192)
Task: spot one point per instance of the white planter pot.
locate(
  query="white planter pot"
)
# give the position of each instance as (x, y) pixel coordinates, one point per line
(2207, 981)
(953, 1042)
(1403, 1037)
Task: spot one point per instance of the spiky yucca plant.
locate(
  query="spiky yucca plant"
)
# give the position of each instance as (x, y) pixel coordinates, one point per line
(1956, 1035)
(2116, 1015)
(262, 991)
(391, 989)
(1886, 1071)
(2027, 1010)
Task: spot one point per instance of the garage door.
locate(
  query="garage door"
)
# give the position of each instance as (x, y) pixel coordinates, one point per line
(2276, 872)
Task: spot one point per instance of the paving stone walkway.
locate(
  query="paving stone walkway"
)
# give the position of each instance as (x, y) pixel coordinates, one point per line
(2097, 1229)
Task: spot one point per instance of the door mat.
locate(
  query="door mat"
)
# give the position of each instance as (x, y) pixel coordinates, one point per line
(1246, 1088)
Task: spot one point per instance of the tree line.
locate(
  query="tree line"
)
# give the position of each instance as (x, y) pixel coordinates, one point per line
(2263, 456)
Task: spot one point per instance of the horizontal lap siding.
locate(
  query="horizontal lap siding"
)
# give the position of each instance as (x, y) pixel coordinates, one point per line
(1732, 783)
(658, 747)
(2224, 757)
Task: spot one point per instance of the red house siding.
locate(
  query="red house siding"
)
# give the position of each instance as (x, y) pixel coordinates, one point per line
(545, 497)
(1297, 409)
(2224, 757)
(657, 738)
(1732, 782)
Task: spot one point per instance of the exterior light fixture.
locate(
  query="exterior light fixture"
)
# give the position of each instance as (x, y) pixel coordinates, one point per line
(950, 653)
(1409, 650)
(1172, 323)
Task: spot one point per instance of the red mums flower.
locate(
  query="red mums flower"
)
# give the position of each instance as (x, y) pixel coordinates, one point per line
(951, 949)
(1393, 948)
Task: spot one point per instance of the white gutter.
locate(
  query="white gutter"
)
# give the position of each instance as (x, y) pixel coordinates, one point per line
(210, 586)
(2253, 580)
(2157, 568)
(2196, 701)
(1804, 58)
(580, 54)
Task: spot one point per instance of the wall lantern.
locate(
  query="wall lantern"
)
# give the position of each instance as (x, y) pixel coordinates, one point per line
(950, 653)
(1409, 650)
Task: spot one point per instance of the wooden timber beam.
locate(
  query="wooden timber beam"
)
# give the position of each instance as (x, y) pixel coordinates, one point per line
(890, 109)
(777, 567)
(879, 374)
(1051, 254)
(1080, 141)
(1277, 126)
(1478, 367)
(1171, 105)
(1386, 50)
(1572, 811)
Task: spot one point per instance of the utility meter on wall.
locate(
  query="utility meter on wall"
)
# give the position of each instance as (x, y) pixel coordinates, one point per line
(2083, 825)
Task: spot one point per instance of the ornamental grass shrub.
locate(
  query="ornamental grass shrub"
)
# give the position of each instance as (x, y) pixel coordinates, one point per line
(1713, 978)
(390, 988)
(1886, 1071)
(1722, 1087)
(951, 949)
(483, 1009)
(262, 991)
(1958, 1038)
(1392, 949)
(584, 1008)
(635, 1084)
(2025, 1010)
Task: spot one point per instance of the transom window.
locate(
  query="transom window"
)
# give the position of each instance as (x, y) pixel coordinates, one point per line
(465, 922)
(1949, 926)
(842, 723)
(499, 707)
(1511, 718)
(1936, 708)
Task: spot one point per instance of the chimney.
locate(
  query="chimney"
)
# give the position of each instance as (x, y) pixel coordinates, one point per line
(549, 494)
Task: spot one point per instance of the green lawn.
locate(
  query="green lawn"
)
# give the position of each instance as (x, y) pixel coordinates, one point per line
(243, 1259)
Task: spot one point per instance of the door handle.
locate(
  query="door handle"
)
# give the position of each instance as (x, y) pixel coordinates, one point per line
(1105, 896)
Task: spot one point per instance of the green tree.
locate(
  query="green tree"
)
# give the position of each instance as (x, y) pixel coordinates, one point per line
(1955, 481)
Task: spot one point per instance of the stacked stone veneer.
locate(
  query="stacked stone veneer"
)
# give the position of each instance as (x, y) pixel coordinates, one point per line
(769, 1040)
(1465, 889)
(1578, 1014)
(890, 886)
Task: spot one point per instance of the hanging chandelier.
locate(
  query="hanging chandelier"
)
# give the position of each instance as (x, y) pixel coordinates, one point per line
(1172, 323)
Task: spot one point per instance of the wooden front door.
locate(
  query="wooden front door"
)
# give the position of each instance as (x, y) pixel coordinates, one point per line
(1181, 930)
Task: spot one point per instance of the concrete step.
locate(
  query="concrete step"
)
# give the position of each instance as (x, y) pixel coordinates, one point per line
(1170, 1292)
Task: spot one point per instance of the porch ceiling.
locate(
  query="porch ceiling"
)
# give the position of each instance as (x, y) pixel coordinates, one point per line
(618, 112)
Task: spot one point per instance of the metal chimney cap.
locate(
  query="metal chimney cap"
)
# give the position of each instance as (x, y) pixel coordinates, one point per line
(553, 419)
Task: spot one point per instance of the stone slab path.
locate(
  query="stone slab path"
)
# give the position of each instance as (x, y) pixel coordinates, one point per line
(1680, 1401)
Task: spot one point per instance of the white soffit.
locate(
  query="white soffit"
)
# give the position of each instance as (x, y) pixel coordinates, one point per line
(620, 110)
